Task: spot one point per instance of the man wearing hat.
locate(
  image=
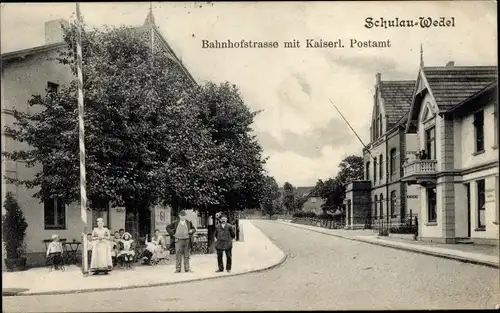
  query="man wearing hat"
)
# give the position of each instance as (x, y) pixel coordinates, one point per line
(182, 230)
(224, 235)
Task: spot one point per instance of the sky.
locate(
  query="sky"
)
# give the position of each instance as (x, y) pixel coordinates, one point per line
(299, 129)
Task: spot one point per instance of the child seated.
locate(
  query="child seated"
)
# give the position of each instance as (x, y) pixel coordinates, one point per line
(55, 252)
(115, 247)
(127, 252)
(150, 250)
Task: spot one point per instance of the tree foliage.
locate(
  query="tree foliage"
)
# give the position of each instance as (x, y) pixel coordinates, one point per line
(13, 228)
(333, 189)
(271, 197)
(150, 134)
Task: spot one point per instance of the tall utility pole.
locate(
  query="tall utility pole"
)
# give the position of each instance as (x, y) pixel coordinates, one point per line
(83, 180)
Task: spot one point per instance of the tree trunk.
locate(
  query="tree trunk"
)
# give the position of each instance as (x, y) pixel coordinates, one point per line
(131, 220)
(211, 233)
(173, 216)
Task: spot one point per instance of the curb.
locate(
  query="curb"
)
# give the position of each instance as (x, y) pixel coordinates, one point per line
(78, 291)
(388, 245)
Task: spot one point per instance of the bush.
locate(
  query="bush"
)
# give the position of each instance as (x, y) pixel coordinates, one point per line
(326, 216)
(14, 228)
(304, 214)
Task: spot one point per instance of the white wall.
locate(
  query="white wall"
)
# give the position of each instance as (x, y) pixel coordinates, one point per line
(490, 214)
(460, 210)
(465, 129)
(412, 146)
(21, 80)
(413, 203)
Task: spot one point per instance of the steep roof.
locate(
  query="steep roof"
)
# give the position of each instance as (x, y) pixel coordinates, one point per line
(149, 24)
(451, 85)
(25, 52)
(301, 191)
(484, 96)
(397, 97)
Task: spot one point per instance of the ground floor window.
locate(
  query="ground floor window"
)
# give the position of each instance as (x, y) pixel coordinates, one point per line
(375, 200)
(481, 204)
(393, 203)
(431, 204)
(54, 211)
(381, 205)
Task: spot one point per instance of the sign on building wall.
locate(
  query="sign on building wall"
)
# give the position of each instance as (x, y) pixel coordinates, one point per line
(490, 195)
(162, 217)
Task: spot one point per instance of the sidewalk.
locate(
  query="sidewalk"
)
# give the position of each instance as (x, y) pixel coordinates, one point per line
(256, 253)
(477, 254)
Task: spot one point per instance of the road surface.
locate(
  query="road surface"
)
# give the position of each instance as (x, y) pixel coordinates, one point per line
(322, 272)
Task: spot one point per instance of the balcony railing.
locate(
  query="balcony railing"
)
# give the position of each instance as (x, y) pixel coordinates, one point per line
(420, 167)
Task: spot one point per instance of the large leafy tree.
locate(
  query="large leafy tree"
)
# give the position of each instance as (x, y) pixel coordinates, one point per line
(351, 168)
(150, 134)
(238, 180)
(333, 189)
(142, 144)
(271, 195)
(289, 197)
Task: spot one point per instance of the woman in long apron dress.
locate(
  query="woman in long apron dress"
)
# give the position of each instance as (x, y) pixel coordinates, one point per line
(101, 261)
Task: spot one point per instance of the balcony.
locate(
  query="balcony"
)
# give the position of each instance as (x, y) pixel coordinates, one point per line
(422, 172)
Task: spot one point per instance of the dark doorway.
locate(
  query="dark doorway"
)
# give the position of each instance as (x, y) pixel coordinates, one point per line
(145, 223)
(467, 192)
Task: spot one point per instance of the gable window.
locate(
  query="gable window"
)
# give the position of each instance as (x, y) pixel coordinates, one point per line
(367, 172)
(381, 205)
(52, 87)
(381, 167)
(479, 131)
(375, 199)
(393, 202)
(431, 204)
(54, 211)
(481, 204)
(430, 143)
(393, 161)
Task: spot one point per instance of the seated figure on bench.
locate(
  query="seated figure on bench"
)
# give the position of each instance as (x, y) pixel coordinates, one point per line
(115, 247)
(155, 249)
(55, 253)
(148, 253)
(127, 252)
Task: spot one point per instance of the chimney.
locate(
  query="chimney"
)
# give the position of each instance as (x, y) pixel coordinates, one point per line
(54, 32)
(450, 64)
(378, 78)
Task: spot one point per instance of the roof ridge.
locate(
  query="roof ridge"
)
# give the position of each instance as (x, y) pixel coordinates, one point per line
(399, 81)
(462, 67)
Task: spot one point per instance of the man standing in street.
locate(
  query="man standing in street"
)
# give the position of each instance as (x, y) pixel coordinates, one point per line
(224, 235)
(182, 230)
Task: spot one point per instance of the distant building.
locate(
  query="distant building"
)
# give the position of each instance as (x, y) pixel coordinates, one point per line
(454, 114)
(313, 201)
(32, 71)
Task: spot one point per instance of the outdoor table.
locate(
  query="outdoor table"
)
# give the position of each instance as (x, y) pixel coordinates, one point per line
(71, 248)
